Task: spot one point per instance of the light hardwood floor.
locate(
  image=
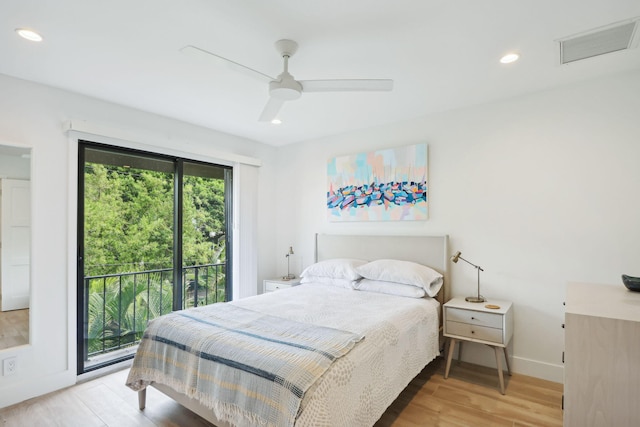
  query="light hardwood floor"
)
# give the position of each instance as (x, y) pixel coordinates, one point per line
(469, 397)
(14, 328)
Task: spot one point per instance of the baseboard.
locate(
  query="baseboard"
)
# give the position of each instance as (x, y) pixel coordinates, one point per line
(538, 369)
(474, 353)
(35, 387)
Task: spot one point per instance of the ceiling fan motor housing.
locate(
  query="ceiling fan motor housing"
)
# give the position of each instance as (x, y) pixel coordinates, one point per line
(286, 88)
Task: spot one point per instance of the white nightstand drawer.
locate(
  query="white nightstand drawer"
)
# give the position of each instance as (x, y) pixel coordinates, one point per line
(491, 320)
(475, 332)
(270, 285)
(274, 286)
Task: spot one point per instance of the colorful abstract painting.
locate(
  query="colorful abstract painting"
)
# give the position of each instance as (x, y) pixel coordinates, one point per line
(382, 185)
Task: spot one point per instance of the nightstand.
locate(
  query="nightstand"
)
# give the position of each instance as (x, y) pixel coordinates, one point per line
(468, 321)
(270, 285)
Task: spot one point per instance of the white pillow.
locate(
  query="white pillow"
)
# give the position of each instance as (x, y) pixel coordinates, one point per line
(406, 272)
(339, 268)
(390, 288)
(342, 283)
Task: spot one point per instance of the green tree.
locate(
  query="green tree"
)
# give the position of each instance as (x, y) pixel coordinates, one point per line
(129, 220)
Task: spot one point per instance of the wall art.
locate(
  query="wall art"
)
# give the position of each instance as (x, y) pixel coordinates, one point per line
(381, 185)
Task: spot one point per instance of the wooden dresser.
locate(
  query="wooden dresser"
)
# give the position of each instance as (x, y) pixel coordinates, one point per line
(602, 356)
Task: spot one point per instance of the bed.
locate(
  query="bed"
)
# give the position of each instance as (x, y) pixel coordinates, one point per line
(378, 341)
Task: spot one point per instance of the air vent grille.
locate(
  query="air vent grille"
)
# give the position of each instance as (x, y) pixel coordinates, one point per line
(611, 39)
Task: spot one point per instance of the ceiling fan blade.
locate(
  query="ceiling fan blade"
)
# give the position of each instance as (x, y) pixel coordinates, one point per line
(271, 110)
(205, 54)
(346, 85)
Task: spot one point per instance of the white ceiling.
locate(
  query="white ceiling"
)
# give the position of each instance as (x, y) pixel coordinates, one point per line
(441, 55)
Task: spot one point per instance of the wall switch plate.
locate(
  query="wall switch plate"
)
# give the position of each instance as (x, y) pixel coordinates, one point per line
(9, 366)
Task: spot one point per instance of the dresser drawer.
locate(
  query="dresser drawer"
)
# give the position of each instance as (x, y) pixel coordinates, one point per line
(491, 320)
(475, 332)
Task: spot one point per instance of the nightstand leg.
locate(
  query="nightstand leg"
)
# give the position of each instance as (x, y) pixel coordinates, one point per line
(452, 347)
(499, 363)
(142, 398)
(506, 358)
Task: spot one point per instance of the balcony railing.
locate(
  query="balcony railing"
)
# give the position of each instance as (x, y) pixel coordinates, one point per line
(120, 305)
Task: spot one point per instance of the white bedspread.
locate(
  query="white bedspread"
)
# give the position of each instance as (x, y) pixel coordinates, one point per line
(401, 338)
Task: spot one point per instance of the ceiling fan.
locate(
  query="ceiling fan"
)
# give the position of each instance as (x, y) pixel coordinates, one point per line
(286, 88)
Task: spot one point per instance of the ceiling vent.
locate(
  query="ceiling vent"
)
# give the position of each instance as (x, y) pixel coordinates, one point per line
(612, 38)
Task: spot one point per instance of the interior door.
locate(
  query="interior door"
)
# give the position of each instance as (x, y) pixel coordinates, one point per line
(16, 238)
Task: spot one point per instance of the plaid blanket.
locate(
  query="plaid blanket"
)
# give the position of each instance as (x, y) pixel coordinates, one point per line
(249, 368)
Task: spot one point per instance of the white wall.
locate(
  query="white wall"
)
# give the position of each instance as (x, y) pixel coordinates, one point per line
(538, 190)
(32, 115)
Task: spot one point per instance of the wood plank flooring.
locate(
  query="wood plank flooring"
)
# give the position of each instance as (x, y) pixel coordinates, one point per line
(14, 328)
(469, 397)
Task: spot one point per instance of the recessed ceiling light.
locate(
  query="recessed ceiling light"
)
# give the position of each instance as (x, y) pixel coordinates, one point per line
(276, 121)
(509, 58)
(29, 34)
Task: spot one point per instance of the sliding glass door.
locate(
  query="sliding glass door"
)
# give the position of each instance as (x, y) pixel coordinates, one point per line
(153, 237)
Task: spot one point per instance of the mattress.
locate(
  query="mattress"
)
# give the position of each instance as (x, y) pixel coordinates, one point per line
(401, 338)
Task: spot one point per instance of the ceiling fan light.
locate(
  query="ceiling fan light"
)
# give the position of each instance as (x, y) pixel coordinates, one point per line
(285, 93)
(509, 58)
(29, 34)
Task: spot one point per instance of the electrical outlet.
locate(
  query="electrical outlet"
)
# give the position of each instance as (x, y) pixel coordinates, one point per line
(9, 366)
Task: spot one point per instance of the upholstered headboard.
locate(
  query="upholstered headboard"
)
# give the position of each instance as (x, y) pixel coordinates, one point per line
(432, 251)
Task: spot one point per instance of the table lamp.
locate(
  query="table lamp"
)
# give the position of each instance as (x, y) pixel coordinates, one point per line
(477, 298)
(289, 276)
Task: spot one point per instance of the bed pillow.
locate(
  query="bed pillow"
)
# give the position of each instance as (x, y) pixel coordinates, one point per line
(390, 288)
(342, 283)
(405, 272)
(338, 268)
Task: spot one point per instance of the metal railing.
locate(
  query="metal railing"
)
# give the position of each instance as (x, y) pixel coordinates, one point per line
(119, 306)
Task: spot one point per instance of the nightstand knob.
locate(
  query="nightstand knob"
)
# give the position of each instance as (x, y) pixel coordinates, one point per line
(473, 332)
(473, 318)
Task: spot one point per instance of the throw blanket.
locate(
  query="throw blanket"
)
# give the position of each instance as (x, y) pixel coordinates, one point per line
(249, 368)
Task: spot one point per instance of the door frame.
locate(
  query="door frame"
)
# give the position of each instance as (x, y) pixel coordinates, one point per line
(15, 297)
(81, 297)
